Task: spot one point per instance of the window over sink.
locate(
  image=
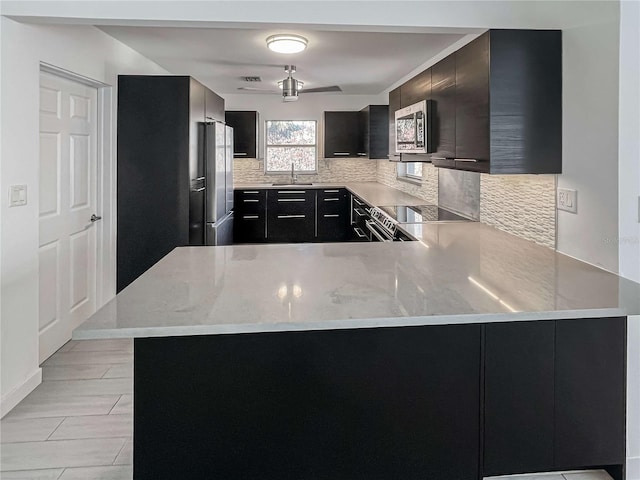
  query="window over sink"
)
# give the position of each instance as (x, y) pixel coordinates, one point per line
(291, 141)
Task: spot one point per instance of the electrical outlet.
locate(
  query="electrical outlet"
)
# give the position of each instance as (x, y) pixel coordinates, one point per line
(568, 200)
(17, 195)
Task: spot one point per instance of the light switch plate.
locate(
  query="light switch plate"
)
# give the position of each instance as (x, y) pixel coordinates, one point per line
(17, 195)
(568, 200)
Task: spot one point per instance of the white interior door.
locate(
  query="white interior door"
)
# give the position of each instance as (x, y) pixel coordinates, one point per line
(68, 198)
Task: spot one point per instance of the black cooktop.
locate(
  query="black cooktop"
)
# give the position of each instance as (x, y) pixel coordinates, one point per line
(422, 214)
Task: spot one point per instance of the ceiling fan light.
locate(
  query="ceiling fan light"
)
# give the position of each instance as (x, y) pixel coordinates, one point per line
(286, 43)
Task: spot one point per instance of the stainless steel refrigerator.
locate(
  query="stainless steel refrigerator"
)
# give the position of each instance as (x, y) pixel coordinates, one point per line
(211, 204)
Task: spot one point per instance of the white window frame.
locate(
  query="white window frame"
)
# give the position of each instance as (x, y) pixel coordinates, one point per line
(401, 173)
(314, 145)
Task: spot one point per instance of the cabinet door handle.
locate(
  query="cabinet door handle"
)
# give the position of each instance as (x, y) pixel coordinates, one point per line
(288, 192)
(250, 217)
(466, 160)
(240, 153)
(358, 201)
(331, 191)
(342, 154)
(250, 201)
(285, 217)
(333, 215)
(292, 200)
(331, 199)
(362, 154)
(199, 179)
(437, 158)
(201, 189)
(253, 192)
(360, 213)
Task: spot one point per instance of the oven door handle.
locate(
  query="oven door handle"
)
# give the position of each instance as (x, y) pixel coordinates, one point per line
(374, 231)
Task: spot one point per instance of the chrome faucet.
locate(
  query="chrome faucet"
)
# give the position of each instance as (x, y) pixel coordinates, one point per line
(293, 175)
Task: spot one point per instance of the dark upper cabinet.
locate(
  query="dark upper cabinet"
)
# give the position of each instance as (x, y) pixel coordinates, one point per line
(443, 94)
(519, 397)
(416, 89)
(525, 94)
(472, 100)
(374, 133)
(590, 392)
(214, 106)
(342, 131)
(497, 103)
(160, 165)
(509, 102)
(394, 104)
(245, 133)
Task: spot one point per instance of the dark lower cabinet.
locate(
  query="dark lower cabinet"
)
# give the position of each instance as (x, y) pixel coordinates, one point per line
(368, 404)
(590, 392)
(554, 396)
(519, 397)
(291, 215)
(250, 216)
(332, 215)
(441, 402)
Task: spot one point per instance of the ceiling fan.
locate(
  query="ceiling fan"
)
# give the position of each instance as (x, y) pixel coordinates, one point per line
(291, 87)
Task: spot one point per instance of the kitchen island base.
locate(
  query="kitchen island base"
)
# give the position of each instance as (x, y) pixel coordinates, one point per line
(443, 402)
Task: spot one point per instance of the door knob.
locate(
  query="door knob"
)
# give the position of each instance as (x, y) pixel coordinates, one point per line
(95, 218)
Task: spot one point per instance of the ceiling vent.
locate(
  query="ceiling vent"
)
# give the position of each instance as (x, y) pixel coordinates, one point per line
(253, 79)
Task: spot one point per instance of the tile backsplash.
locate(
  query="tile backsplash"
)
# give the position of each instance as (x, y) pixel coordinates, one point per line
(523, 205)
(250, 170)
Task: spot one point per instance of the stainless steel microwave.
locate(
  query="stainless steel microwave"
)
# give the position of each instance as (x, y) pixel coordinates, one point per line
(413, 125)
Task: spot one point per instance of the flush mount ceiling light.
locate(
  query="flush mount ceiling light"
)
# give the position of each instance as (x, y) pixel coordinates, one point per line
(286, 43)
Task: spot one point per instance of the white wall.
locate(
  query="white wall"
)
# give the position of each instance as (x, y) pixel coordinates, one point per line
(629, 223)
(83, 50)
(590, 142)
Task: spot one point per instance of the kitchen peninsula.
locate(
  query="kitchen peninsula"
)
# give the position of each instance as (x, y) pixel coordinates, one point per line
(465, 354)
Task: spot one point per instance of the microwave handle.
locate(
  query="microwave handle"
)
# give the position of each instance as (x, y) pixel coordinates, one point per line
(418, 123)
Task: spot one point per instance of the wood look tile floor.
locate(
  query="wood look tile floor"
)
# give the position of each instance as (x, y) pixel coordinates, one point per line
(77, 425)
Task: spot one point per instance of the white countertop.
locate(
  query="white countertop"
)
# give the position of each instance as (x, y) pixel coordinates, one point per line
(373, 193)
(457, 273)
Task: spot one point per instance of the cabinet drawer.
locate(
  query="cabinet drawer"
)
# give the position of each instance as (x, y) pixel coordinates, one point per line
(249, 197)
(280, 197)
(332, 227)
(291, 228)
(249, 228)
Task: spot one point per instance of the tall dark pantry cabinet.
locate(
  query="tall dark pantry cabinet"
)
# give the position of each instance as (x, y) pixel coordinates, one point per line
(161, 168)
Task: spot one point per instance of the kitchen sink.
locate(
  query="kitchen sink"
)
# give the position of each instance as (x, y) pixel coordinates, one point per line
(289, 184)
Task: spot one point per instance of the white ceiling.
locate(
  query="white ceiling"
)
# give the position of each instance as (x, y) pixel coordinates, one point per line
(361, 63)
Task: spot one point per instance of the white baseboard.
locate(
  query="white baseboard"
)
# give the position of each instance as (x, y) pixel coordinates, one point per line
(15, 396)
(633, 468)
